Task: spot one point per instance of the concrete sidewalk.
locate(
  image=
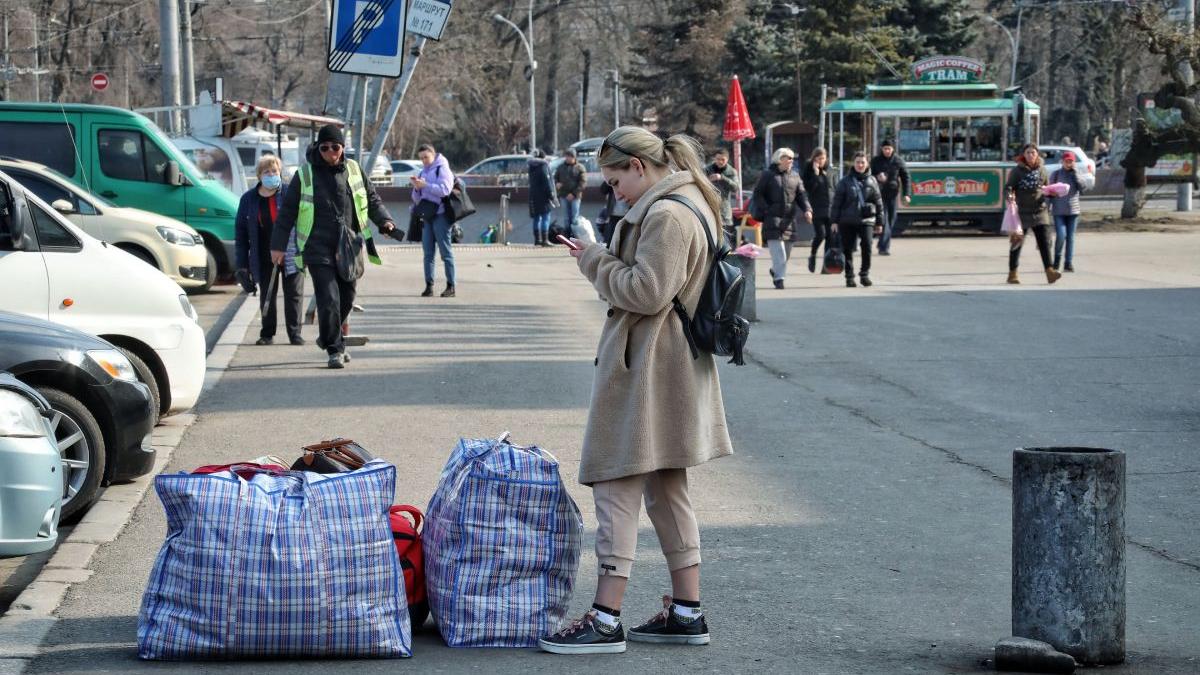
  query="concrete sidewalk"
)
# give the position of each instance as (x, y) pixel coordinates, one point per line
(863, 526)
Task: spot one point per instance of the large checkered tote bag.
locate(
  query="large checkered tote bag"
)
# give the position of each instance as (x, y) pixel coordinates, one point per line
(288, 564)
(502, 540)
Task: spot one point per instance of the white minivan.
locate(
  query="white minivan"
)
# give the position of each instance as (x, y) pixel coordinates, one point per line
(52, 270)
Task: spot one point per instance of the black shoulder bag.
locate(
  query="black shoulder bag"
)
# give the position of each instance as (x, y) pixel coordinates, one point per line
(717, 328)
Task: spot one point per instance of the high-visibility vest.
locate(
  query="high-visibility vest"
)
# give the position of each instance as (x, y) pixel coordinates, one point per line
(304, 218)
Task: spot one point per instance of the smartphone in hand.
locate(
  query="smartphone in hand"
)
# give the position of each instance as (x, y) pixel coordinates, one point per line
(568, 243)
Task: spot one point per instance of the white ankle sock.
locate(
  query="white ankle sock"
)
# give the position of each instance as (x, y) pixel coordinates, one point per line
(686, 612)
(607, 619)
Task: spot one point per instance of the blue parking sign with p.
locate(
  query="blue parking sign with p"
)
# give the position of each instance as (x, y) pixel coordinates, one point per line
(366, 37)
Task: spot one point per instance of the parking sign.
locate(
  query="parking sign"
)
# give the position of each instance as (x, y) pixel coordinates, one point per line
(366, 37)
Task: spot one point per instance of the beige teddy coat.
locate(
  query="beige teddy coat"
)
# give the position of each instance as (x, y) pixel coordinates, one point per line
(653, 405)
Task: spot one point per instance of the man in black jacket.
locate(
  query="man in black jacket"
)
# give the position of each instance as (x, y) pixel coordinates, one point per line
(319, 210)
(892, 175)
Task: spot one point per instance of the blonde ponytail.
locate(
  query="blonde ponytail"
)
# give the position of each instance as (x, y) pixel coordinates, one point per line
(684, 154)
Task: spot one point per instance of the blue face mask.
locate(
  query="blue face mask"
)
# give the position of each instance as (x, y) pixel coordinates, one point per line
(272, 181)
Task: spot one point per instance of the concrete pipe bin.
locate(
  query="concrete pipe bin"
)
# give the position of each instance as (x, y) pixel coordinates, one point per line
(749, 300)
(1068, 549)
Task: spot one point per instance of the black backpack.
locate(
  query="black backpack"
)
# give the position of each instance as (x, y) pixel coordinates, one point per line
(717, 327)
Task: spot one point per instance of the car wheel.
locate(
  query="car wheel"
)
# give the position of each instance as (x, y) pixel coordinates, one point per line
(81, 446)
(211, 276)
(140, 254)
(146, 377)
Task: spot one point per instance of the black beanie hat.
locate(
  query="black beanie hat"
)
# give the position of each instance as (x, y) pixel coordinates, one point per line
(331, 134)
(887, 143)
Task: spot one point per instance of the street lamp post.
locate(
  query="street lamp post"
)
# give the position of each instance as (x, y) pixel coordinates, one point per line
(1013, 42)
(532, 67)
(616, 96)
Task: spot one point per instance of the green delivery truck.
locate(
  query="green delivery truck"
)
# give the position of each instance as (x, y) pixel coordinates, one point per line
(957, 135)
(125, 158)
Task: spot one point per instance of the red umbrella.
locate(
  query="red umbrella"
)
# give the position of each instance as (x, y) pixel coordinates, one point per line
(737, 128)
(737, 117)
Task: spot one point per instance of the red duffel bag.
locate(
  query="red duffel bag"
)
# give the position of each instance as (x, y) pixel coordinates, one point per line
(407, 536)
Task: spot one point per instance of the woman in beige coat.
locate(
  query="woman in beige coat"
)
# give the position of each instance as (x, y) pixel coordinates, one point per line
(655, 410)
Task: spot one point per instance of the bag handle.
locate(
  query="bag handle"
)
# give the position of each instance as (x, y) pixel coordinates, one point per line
(412, 511)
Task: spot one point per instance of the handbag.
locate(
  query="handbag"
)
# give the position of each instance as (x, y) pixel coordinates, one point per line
(458, 203)
(835, 259)
(1012, 221)
(349, 258)
(337, 456)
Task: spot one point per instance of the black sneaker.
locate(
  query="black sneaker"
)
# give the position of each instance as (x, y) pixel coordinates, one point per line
(585, 636)
(812, 263)
(850, 283)
(669, 628)
(264, 341)
(865, 280)
(296, 340)
(779, 283)
(335, 361)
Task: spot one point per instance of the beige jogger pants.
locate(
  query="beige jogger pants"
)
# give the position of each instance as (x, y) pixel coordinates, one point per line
(618, 504)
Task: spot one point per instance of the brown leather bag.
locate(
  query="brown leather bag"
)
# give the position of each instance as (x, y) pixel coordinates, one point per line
(337, 456)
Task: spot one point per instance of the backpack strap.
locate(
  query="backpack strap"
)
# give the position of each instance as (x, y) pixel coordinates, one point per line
(712, 246)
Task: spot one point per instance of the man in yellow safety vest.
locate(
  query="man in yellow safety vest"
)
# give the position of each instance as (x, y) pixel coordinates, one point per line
(329, 195)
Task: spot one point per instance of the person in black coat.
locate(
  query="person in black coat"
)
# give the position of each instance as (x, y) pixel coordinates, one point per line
(891, 173)
(819, 185)
(857, 204)
(779, 198)
(542, 197)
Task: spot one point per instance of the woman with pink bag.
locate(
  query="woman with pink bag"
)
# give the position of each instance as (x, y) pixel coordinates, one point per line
(1025, 190)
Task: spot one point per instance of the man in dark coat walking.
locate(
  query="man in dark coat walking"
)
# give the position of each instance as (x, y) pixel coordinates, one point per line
(327, 195)
(891, 173)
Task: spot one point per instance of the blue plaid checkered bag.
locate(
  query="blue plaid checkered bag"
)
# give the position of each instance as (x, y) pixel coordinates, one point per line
(285, 564)
(502, 540)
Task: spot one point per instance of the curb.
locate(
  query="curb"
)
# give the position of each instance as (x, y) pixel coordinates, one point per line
(32, 614)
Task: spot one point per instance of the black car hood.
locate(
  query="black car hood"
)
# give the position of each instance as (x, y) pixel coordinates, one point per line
(18, 329)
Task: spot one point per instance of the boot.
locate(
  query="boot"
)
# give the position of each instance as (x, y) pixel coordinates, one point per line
(1012, 277)
(1052, 275)
(449, 292)
(537, 238)
(428, 292)
(864, 280)
(850, 283)
(1057, 260)
(779, 284)
(812, 263)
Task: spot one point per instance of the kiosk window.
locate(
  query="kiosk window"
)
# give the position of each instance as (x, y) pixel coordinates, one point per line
(916, 139)
(987, 139)
(44, 143)
(51, 235)
(951, 139)
(129, 155)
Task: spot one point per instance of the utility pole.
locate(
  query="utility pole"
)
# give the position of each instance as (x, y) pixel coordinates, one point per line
(37, 63)
(189, 64)
(168, 49)
(1183, 191)
(581, 104)
(7, 64)
(527, 41)
(583, 92)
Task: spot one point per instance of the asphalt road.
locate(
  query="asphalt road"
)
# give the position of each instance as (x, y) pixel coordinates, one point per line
(863, 525)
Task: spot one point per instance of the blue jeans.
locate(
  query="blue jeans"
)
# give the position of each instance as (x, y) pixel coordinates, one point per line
(541, 224)
(888, 219)
(570, 215)
(438, 232)
(1064, 228)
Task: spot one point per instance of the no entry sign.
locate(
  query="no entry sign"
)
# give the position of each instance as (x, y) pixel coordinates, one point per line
(99, 82)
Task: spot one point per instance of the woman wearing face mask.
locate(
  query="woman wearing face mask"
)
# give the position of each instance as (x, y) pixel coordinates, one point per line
(255, 219)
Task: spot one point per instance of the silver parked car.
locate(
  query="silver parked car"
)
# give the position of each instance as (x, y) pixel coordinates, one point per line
(31, 477)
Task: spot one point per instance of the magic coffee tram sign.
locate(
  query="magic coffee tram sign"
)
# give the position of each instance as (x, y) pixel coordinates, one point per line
(956, 69)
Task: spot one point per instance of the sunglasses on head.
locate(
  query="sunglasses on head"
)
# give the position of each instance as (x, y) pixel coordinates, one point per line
(326, 147)
(609, 144)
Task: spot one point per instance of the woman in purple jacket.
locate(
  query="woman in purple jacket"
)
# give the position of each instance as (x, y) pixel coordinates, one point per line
(433, 184)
